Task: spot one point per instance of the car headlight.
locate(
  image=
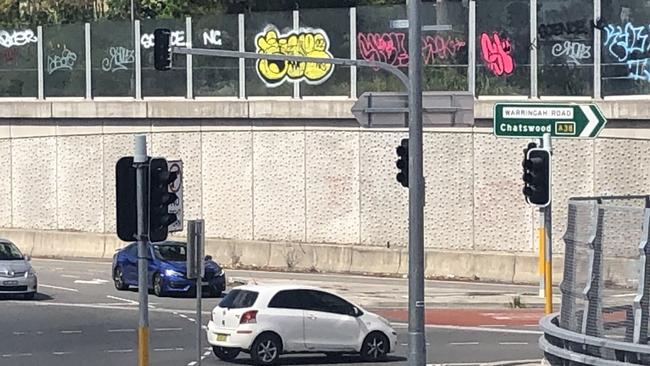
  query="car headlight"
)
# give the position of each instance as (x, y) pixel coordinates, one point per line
(220, 272)
(171, 272)
(30, 273)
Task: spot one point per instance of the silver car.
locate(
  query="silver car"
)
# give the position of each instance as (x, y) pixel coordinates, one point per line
(16, 274)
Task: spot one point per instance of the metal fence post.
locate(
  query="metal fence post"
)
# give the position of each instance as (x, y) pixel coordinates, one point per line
(597, 53)
(188, 44)
(40, 63)
(642, 300)
(296, 26)
(89, 66)
(242, 61)
(533, 49)
(353, 52)
(138, 61)
(471, 48)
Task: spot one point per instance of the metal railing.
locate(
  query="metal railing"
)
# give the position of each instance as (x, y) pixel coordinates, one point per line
(605, 317)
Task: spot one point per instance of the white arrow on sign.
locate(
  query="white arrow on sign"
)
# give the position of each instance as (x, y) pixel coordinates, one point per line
(593, 121)
(96, 281)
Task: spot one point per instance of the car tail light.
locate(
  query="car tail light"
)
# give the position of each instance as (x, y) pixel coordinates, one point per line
(249, 317)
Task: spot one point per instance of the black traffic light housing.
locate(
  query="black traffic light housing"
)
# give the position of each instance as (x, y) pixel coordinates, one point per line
(125, 199)
(537, 176)
(403, 162)
(159, 199)
(161, 51)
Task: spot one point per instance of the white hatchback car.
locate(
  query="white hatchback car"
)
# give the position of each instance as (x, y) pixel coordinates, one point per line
(269, 320)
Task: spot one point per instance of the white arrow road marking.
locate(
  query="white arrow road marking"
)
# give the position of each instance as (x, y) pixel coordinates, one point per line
(96, 281)
(592, 121)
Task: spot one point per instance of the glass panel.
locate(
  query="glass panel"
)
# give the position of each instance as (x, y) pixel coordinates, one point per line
(65, 60)
(113, 59)
(626, 50)
(18, 63)
(565, 47)
(376, 41)
(163, 83)
(445, 52)
(266, 27)
(502, 47)
(333, 27)
(215, 76)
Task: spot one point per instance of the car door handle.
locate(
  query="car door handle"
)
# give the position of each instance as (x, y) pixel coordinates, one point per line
(311, 316)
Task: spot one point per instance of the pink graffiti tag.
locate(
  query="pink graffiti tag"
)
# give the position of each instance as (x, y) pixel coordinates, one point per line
(390, 48)
(10, 55)
(497, 54)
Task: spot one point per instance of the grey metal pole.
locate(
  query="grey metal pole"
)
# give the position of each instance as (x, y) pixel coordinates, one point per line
(141, 164)
(417, 349)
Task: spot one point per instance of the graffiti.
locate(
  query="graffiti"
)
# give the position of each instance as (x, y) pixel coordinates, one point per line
(638, 69)
(390, 48)
(304, 42)
(17, 38)
(623, 42)
(497, 54)
(567, 28)
(10, 55)
(210, 37)
(575, 52)
(118, 59)
(64, 62)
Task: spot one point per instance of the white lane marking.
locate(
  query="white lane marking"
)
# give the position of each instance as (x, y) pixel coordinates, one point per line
(39, 332)
(61, 353)
(69, 276)
(624, 295)
(463, 343)
(513, 343)
(58, 288)
(122, 299)
(479, 329)
(205, 327)
(168, 349)
(71, 332)
(119, 350)
(22, 355)
(167, 329)
(191, 319)
(405, 344)
(191, 363)
(95, 281)
(206, 354)
(183, 316)
(121, 330)
(19, 333)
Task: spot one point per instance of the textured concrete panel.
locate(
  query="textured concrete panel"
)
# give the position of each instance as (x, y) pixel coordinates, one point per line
(502, 219)
(33, 165)
(332, 186)
(279, 185)
(80, 182)
(622, 166)
(227, 166)
(115, 146)
(5, 184)
(384, 202)
(448, 212)
(185, 147)
(573, 176)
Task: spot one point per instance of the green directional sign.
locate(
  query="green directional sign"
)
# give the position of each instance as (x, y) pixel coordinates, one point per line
(533, 120)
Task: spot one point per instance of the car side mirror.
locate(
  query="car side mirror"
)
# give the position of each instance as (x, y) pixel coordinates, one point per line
(355, 312)
(208, 257)
(28, 258)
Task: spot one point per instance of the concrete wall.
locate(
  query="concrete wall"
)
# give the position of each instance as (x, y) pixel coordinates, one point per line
(291, 187)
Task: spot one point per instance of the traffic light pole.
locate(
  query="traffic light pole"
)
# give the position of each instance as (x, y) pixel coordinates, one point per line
(142, 165)
(548, 239)
(417, 344)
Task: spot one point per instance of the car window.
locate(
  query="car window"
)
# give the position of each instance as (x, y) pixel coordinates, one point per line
(328, 303)
(170, 252)
(290, 299)
(132, 250)
(8, 252)
(239, 299)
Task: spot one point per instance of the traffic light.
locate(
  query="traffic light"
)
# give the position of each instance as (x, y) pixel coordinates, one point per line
(159, 199)
(125, 199)
(403, 162)
(161, 53)
(537, 176)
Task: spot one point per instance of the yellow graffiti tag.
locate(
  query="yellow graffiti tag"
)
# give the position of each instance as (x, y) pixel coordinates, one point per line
(304, 42)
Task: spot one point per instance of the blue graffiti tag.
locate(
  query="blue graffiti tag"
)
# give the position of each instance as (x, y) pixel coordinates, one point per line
(629, 45)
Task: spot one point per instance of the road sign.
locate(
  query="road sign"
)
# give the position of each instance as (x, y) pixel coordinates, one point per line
(176, 166)
(388, 109)
(404, 24)
(533, 120)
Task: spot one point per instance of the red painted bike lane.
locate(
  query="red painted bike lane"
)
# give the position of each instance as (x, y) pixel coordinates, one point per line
(470, 317)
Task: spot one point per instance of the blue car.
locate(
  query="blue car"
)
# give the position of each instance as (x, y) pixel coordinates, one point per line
(167, 270)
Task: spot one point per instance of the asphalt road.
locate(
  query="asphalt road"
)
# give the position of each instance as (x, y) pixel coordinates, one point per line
(80, 319)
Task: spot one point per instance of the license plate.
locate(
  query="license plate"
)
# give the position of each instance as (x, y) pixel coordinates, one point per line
(222, 337)
(10, 283)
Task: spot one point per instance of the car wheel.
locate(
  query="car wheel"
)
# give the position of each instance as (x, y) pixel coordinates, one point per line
(158, 285)
(266, 349)
(375, 347)
(29, 296)
(118, 279)
(226, 353)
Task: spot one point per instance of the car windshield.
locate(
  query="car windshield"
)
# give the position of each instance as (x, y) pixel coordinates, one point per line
(8, 252)
(170, 252)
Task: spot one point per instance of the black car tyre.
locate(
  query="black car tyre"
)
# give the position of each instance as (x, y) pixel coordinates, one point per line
(226, 353)
(375, 347)
(266, 349)
(118, 279)
(158, 285)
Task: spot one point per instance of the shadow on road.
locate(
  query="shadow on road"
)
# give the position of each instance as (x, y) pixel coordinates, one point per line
(187, 295)
(320, 360)
(38, 297)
